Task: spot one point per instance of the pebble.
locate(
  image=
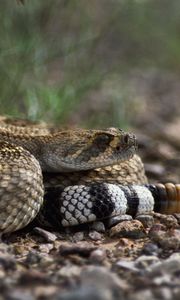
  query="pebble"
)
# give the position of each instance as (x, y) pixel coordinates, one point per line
(145, 261)
(146, 220)
(164, 279)
(169, 266)
(33, 277)
(130, 229)
(156, 230)
(98, 256)
(169, 221)
(48, 236)
(45, 292)
(151, 249)
(78, 236)
(81, 249)
(113, 221)
(97, 283)
(69, 271)
(33, 258)
(45, 248)
(168, 240)
(94, 235)
(104, 279)
(7, 262)
(163, 293)
(98, 226)
(127, 265)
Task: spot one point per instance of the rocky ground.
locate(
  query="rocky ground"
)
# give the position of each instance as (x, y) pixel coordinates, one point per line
(121, 259)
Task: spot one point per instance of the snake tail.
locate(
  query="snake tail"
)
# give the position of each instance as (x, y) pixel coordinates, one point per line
(80, 204)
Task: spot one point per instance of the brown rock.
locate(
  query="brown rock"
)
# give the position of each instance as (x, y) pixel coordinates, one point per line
(130, 229)
(81, 249)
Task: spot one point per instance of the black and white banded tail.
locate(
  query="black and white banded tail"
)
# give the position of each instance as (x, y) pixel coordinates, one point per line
(79, 204)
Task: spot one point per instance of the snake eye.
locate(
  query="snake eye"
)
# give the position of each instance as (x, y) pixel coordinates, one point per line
(126, 138)
(102, 138)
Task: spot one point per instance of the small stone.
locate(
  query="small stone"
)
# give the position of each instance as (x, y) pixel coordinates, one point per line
(4, 248)
(113, 221)
(83, 249)
(69, 271)
(33, 277)
(125, 242)
(164, 293)
(48, 236)
(94, 235)
(7, 262)
(175, 255)
(156, 230)
(130, 229)
(45, 248)
(45, 292)
(127, 265)
(169, 266)
(98, 226)
(168, 240)
(78, 236)
(145, 261)
(98, 256)
(33, 258)
(151, 249)
(169, 221)
(146, 220)
(104, 279)
(171, 242)
(97, 283)
(164, 279)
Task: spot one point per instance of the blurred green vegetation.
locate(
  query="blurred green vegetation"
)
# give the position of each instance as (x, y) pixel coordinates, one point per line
(58, 58)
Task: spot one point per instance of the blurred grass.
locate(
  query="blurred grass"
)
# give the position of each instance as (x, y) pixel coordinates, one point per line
(54, 54)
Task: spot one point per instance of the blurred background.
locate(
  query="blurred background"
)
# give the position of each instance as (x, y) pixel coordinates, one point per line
(97, 64)
(90, 63)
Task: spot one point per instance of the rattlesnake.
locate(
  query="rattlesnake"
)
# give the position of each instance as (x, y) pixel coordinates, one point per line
(87, 175)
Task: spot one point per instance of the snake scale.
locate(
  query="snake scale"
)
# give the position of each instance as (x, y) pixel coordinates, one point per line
(69, 177)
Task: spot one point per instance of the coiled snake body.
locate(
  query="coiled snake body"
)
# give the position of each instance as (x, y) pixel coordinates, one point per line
(85, 175)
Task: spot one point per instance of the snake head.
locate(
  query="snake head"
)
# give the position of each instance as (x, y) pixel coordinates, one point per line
(74, 150)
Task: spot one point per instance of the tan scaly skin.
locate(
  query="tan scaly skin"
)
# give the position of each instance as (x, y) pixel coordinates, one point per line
(26, 151)
(73, 150)
(65, 157)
